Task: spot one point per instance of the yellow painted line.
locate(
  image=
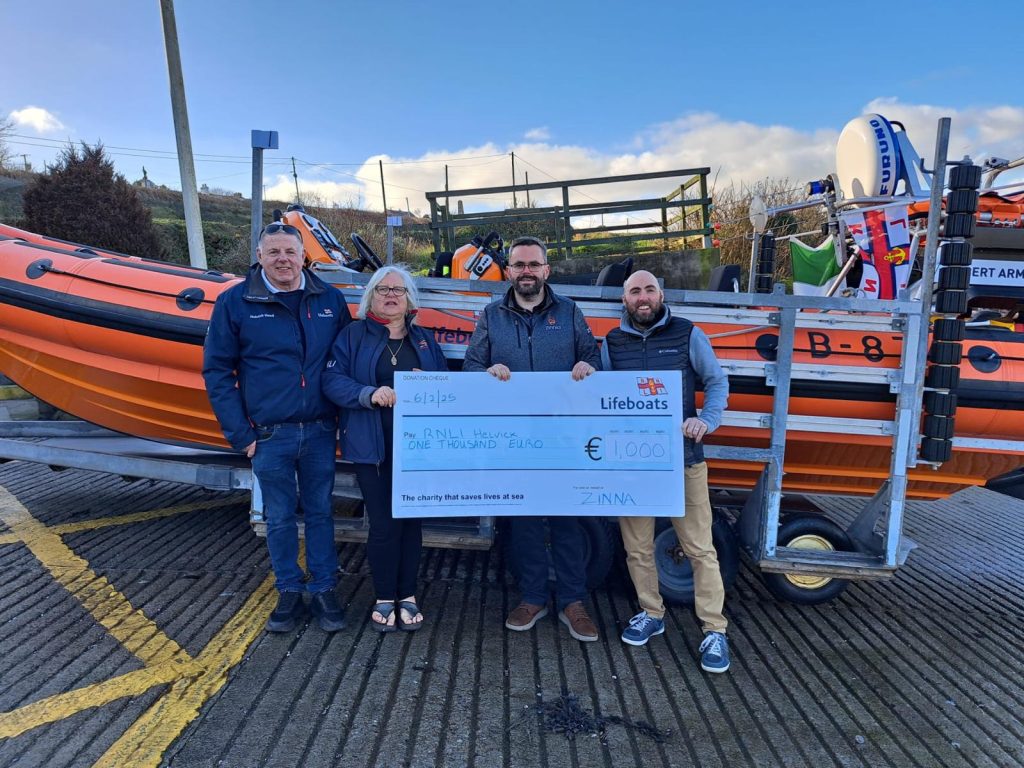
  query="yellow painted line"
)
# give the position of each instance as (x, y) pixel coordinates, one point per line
(144, 743)
(135, 517)
(62, 705)
(193, 681)
(130, 627)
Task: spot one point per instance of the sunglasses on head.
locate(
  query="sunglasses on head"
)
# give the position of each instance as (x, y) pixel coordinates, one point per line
(274, 228)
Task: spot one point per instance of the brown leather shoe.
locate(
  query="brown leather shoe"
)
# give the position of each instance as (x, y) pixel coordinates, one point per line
(575, 617)
(524, 616)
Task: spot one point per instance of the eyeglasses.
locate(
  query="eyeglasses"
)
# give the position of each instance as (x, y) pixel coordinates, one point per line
(522, 266)
(393, 290)
(275, 227)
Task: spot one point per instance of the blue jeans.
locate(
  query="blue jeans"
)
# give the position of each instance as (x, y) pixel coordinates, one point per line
(568, 553)
(306, 450)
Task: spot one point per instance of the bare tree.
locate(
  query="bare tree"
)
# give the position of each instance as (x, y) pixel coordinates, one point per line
(731, 213)
(6, 129)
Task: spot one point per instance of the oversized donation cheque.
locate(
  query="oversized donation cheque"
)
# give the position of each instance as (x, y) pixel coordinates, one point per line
(539, 444)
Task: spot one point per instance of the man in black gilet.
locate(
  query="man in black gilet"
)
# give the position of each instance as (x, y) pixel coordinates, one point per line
(650, 338)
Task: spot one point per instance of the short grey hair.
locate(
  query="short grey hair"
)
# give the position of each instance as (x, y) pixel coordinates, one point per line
(529, 240)
(410, 289)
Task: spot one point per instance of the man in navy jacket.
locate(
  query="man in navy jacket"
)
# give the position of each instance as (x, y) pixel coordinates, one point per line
(265, 351)
(533, 329)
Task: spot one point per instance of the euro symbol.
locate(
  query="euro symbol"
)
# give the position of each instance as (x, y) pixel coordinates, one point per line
(592, 448)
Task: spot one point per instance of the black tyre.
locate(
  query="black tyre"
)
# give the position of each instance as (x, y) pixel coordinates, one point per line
(675, 576)
(811, 532)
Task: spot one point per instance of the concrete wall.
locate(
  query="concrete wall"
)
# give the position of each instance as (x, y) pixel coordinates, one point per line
(679, 269)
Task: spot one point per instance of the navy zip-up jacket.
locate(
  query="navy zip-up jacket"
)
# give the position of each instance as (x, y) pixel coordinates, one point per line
(260, 367)
(531, 341)
(351, 378)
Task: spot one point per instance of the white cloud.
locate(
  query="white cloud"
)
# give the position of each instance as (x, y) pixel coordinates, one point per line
(977, 131)
(38, 119)
(538, 134)
(737, 152)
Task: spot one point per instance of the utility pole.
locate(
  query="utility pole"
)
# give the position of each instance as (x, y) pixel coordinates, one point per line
(514, 203)
(186, 165)
(260, 141)
(25, 159)
(295, 175)
(383, 194)
(527, 174)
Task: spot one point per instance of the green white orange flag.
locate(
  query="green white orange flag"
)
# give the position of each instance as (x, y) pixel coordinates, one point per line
(814, 267)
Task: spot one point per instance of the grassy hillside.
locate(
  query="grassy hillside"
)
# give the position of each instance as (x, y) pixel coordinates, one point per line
(226, 224)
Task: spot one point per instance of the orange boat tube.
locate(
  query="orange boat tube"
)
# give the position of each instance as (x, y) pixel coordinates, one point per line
(117, 341)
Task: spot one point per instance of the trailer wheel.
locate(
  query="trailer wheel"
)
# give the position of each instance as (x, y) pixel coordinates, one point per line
(812, 532)
(675, 576)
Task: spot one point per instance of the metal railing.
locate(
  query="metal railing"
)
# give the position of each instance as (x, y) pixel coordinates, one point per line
(680, 207)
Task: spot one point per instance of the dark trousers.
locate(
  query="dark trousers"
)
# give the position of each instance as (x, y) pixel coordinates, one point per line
(394, 546)
(568, 557)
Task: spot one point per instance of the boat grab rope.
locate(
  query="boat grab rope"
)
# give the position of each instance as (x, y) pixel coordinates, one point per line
(100, 281)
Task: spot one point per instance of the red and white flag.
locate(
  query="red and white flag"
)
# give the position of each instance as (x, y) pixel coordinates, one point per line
(883, 240)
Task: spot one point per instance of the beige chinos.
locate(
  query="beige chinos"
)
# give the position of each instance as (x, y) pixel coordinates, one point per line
(694, 533)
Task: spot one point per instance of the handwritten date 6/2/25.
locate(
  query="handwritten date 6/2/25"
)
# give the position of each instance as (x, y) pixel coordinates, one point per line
(437, 397)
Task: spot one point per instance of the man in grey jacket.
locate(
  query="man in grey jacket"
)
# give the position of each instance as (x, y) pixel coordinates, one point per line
(533, 329)
(650, 338)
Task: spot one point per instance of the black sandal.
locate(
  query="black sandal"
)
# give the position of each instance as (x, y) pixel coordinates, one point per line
(413, 610)
(385, 609)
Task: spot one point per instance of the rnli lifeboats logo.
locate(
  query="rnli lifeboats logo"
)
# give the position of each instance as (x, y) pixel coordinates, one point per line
(422, 344)
(325, 312)
(649, 386)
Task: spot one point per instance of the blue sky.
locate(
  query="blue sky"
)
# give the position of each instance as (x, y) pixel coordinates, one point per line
(575, 89)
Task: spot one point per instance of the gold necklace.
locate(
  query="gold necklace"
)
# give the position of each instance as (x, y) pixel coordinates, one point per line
(394, 352)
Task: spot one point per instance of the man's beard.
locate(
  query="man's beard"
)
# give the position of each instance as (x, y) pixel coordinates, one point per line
(652, 316)
(530, 290)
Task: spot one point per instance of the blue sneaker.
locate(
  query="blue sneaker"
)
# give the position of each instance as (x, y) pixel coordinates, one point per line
(714, 653)
(642, 628)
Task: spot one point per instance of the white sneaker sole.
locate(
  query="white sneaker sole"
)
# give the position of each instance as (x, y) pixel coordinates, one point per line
(715, 670)
(576, 635)
(537, 617)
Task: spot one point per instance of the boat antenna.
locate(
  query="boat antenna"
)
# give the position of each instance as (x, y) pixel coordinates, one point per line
(295, 175)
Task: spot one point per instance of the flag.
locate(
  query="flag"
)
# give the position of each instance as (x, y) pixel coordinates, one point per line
(882, 238)
(813, 267)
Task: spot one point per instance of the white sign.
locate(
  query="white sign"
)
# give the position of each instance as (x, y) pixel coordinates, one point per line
(467, 444)
(990, 272)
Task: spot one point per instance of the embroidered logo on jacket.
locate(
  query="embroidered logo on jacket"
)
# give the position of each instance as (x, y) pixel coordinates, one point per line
(325, 312)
